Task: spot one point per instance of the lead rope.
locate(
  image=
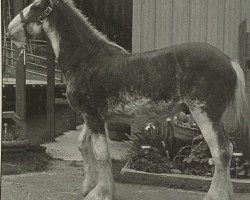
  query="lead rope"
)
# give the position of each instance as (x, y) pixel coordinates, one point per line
(27, 35)
(24, 55)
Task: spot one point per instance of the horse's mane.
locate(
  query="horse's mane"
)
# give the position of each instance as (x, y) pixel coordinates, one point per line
(80, 25)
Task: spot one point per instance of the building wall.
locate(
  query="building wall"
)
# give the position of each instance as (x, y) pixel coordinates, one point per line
(162, 23)
(247, 76)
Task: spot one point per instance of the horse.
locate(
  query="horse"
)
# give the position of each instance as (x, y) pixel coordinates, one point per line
(103, 79)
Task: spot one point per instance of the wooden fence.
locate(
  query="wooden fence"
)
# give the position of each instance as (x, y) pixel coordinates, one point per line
(35, 61)
(45, 61)
(19, 116)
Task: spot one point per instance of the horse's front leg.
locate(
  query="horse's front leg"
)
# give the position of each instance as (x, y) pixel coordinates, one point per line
(105, 188)
(89, 162)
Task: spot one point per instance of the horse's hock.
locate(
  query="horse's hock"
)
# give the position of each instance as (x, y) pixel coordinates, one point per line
(117, 130)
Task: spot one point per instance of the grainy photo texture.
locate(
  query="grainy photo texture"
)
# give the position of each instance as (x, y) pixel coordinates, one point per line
(125, 99)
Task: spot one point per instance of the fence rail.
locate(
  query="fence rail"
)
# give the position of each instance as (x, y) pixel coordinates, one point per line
(35, 56)
(38, 61)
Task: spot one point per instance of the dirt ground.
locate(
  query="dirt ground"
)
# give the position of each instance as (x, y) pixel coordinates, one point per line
(63, 181)
(66, 147)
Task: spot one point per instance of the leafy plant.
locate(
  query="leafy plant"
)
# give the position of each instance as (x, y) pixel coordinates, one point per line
(150, 160)
(240, 164)
(194, 159)
(153, 135)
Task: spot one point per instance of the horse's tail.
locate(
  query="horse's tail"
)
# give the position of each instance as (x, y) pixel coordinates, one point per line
(236, 110)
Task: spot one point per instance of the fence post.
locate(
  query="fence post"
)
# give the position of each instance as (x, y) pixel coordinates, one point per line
(4, 51)
(21, 90)
(50, 126)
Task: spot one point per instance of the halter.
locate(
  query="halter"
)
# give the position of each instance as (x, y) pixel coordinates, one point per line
(27, 35)
(40, 20)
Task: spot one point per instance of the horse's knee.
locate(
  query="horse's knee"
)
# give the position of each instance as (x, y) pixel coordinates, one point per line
(83, 139)
(100, 145)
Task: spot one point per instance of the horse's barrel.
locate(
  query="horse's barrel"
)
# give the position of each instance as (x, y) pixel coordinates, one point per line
(117, 130)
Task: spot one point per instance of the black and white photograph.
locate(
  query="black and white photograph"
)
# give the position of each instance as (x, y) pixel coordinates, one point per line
(125, 100)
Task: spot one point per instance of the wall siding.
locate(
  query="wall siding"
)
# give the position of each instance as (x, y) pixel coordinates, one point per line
(181, 19)
(198, 20)
(247, 70)
(162, 23)
(215, 23)
(136, 26)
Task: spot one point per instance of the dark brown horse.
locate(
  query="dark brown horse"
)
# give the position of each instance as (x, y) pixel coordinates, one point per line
(104, 79)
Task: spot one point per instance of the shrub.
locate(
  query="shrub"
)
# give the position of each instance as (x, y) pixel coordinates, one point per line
(153, 135)
(194, 159)
(150, 160)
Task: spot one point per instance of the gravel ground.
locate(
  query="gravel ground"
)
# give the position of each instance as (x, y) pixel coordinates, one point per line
(66, 148)
(62, 182)
(63, 179)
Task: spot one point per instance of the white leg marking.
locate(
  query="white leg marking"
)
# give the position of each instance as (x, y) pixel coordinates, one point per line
(104, 189)
(221, 187)
(207, 130)
(89, 162)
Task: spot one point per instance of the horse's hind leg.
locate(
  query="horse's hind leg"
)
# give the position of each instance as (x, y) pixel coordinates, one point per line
(89, 163)
(221, 150)
(104, 190)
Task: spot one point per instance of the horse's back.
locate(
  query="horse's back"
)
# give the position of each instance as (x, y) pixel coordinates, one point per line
(209, 77)
(198, 53)
(187, 66)
(193, 72)
(149, 82)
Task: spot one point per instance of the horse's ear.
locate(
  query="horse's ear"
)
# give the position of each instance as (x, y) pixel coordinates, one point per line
(54, 2)
(51, 3)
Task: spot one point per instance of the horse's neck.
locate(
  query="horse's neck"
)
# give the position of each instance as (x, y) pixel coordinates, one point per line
(72, 52)
(75, 42)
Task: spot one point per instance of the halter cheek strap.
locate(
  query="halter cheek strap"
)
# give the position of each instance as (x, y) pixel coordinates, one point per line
(40, 20)
(27, 35)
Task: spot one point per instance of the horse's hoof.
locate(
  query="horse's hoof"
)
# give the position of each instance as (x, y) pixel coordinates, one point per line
(87, 186)
(101, 192)
(218, 196)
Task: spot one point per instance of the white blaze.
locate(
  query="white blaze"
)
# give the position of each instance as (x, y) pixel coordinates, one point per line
(16, 30)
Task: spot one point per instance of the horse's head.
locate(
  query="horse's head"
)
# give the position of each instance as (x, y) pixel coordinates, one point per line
(29, 21)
